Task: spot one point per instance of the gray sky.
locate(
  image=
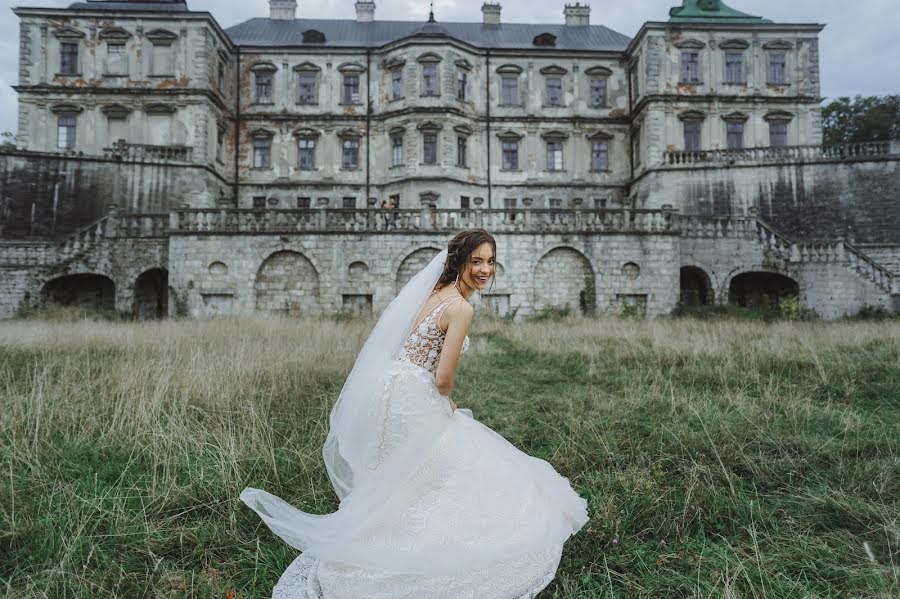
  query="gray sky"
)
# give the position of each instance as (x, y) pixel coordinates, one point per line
(859, 47)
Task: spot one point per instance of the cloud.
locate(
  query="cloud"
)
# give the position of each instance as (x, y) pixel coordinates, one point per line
(855, 47)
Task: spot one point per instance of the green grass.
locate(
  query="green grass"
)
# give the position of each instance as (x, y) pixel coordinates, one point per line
(719, 458)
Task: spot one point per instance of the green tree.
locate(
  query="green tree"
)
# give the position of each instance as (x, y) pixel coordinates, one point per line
(872, 118)
(7, 140)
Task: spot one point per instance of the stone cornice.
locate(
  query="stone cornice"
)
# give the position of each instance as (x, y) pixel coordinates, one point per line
(101, 92)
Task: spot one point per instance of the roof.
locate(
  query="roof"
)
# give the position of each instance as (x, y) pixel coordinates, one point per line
(351, 33)
(711, 11)
(131, 5)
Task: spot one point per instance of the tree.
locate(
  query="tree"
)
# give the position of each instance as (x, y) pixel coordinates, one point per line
(8, 141)
(871, 118)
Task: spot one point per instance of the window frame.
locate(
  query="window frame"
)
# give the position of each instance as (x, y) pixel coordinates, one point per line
(430, 141)
(595, 145)
(771, 70)
(690, 69)
(693, 139)
(509, 149)
(263, 80)
(69, 128)
(350, 149)
(555, 157)
(347, 86)
(312, 97)
(397, 84)
(309, 152)
(548, 97)
(69, 58)
(462, 151)
(262, 148)
(729, 78)
(434, 89)
(604, 85)
(783, 133)
(462, 85)
(734, 135)
(397, 153)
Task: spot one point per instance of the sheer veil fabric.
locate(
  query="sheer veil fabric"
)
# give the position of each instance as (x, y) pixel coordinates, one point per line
(426, 494)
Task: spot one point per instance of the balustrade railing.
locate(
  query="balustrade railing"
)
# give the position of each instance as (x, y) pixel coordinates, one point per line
(789, 154)
(122, 150)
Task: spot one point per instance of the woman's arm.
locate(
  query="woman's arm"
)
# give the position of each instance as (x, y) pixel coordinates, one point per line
(458, 317)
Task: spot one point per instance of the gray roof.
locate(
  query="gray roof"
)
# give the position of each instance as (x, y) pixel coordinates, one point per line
(351, 33)
(126, 5)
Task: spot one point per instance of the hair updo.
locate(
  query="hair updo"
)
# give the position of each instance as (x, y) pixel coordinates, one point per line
(458, 251)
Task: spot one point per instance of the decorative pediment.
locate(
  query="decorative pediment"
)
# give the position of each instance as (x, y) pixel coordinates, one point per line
(545, 39)
(510, 135)
(779, 116)
(223, 55)
(307, 67)
(350, 133)
(161, 37)
(396, 131)
(313, 36)
(734, 44)
(692, 115)
(260, 133)
(736, 117)
(68, 34)
(464, 64)
(778, 45)
(463, 130)
(598, 71)
(350, 68)
(264, 67)
(600, 136)
(430, 126)
(690, 44)
(393, 63)
(430, 57)
(509, 69)
(115, 111)
(160, 109)
(65, 109)
(555, 136)
(553, 70)
(306, 133)
(114, 34)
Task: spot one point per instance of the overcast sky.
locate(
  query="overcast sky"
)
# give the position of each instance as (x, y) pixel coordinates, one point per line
(859, 47)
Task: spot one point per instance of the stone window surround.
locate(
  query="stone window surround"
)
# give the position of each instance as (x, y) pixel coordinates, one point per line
(598, 72)
(395, 133)
(430, 127)
(261, 134)
(778, 47)
(430, 59)
(733, 46)
(558, 72)
(69, 35)
(691, 116)
(391, 67)
(510, 136)
(511, 71)
(161, 38)
(463, 133)
(351, 69)
(306, 69)
(559, 137)
(690, 46)
(600, 137)
(350, 134)
(263, 69)
(306, 134)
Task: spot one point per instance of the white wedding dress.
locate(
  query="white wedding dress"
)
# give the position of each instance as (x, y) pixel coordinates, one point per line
(467, 515)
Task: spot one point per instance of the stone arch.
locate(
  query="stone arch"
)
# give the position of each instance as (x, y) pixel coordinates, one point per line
(760, 289)
(287, 283)
(564, 277)
(413, 263)
(87, 290)
(357, 272)
(151, 294)
(696, 287)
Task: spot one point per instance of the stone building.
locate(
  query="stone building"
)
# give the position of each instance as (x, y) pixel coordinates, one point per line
(165, 166)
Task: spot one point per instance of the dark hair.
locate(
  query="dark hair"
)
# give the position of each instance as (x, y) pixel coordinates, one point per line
(458, 251)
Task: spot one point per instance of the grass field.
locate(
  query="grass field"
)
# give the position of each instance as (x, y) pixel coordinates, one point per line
(719, 459)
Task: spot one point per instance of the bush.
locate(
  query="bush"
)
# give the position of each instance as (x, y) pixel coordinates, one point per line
(873, 313)
(551, 313)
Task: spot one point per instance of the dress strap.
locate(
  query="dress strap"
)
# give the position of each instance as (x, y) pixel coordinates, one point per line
(449, 302)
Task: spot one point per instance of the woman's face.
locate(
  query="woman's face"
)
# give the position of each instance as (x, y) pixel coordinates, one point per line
(479, 269)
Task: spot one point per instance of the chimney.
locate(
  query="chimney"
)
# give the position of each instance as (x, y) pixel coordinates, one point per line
(491, 13)
(578, 14)
(283, 10)
(365, 11)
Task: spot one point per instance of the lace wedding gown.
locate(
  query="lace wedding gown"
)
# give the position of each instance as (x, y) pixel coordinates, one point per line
(484, 519)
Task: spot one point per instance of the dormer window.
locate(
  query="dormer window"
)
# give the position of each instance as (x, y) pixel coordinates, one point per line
(544, 40)
(312, 36)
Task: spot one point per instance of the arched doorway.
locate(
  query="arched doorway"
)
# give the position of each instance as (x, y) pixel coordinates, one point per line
(696, 288)
(760, 289)
(563, 278)
(151, 294)
(413, 263)
(85, 290)
(288, 284)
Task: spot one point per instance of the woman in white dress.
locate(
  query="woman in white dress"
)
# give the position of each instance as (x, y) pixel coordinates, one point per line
(434, 505)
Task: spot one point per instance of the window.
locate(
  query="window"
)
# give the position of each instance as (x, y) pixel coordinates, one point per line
(429, 79)
(554, 156)
(509, 93)
(600, 203)
(162, 54)
(307, 92)
(259, 201)
(461, 143)
(777, 67)
(690, 67)
(262, 152)
(68, 58)
(115, 49)
(734, 67)
(263, 88)
(510, 155)
(554, 91)
(221, 82)
(429, 147)
(350, 160)
(599, 156)
(778, 135)
(65, 132)
(304, 203)
(349, 203)
(116, 59)
(351, 89)
(464, 203)
(509, 203)
(598, 93)
(397, 84)
(692, 136)
(462, 82)
(735, 133)
(220, 146)
(306, 154)
(397, 150)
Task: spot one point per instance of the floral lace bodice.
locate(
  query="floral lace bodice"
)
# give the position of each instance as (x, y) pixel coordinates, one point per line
(425, 341)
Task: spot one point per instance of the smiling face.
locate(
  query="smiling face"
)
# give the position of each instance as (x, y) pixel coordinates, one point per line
(477, 272)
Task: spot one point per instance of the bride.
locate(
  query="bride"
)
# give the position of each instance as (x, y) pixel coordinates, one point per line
(433, 504)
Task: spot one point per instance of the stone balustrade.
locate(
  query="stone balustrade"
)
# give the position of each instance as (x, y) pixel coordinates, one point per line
(26, 253)
(783, 154)
(122, 150)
